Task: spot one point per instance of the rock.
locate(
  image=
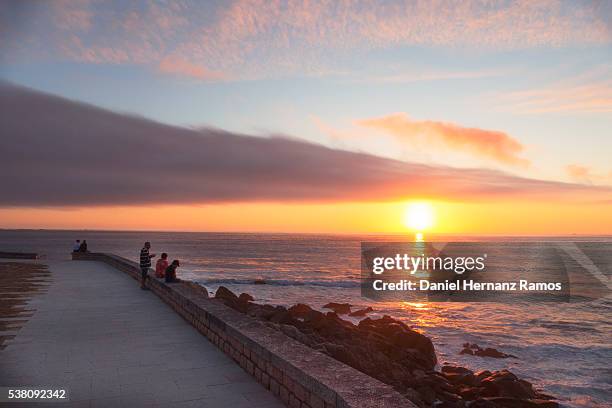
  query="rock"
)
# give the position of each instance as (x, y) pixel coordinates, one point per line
(509, 402)
(414, 396)
(403, 339)
(482, 403)
(300, 310)
(263, 312)
(462, 378)
(224, 294)
(340, 308)
(428, 395)
(481, 375)
(456, 369)
(505, 384)
(475, 349)
(390, 351)
(260, 281)
(418, 373)
(361, 312)
(245, 297)
(470, 393)
(197, 288)
(450, 404)
(294, 333)
(282, 315)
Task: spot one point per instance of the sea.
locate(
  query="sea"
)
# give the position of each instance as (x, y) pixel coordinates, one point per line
(563, 348)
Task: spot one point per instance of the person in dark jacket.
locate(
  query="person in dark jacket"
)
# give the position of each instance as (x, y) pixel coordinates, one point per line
(171, 272)
(83, 247)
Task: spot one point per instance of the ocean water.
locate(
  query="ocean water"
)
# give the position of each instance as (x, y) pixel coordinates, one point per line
(565, 349)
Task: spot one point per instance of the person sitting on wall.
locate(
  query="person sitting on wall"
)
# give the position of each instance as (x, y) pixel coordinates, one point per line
(83, 246)
(76, 246)
(161, 265)
(171, 272)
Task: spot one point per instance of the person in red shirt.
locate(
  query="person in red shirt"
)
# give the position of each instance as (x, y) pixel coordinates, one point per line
(161, 265)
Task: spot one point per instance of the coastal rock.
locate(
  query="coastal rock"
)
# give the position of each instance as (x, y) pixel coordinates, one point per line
(245, 297)
(460, 378)
(483, 403)
(225, 295)
(361, 312)
(201, 290)
(455, 369)
(509, 402)
(403, 338)
(294, 333)
(281, 315)
(505, 384)
(476, 350)
(263, 312)
(483, 374)
(300, 310)
(340, 308)
(470, 393)
(390, 351)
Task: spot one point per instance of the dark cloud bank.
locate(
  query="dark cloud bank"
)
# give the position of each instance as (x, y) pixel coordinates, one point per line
(57, 152)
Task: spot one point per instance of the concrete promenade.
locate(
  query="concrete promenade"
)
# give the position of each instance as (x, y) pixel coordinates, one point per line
(113, 345)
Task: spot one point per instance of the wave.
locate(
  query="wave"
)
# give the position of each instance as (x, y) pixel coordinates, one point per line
(284, 282)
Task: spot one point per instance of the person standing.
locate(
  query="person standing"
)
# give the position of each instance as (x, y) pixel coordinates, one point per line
(145, 263)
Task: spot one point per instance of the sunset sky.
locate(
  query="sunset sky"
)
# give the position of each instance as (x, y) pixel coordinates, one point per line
(326, 116)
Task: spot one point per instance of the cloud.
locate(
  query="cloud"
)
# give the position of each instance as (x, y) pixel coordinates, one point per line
(586, 98)
(178, 66)
(589, 92)
(57, 152)
(407, 76)
(258, 38)
(490, 144)
(584, 174)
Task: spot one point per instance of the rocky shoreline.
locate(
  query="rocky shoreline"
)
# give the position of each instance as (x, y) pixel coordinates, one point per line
(390, 351)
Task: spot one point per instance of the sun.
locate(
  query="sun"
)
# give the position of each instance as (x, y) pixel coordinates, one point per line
(419, 216)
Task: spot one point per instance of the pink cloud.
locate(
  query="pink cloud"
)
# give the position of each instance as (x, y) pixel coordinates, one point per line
(74, 15)
(178, 66)
(588, 92)
(490, 144)
(256, 38)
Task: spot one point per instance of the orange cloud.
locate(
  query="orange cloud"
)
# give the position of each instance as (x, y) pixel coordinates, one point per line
(490, 144)
(584, 174)
(179, 66)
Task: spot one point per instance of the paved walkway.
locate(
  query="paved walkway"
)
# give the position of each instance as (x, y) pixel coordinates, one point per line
(113, 345)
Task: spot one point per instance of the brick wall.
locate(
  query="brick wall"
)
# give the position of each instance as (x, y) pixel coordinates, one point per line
(300, 376)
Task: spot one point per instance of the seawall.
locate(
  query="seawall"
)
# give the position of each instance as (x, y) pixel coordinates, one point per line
(300, 376)
(18, 255)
